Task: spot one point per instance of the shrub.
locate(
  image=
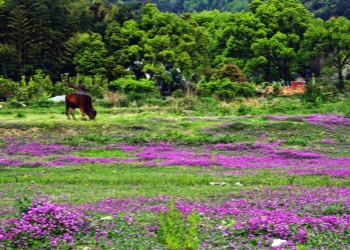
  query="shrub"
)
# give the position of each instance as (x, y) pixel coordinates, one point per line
(225, 89)
(41, 102)
(179, 93)
(232, 72)
(20, 115)
(277, 89)
(106, 104)
(15, 104)
(246, 90)
(178, 232)
(315, 95)
(244, 110)
(39, 86)
(124, 102)
(128, 85)
(96, 85)
(9, 89)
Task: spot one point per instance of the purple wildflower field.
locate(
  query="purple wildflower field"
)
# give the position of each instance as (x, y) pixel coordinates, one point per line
(231, 156)
(303, 217)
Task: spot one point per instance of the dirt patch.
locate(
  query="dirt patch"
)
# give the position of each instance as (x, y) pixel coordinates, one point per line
(288, 91)
(14, 132)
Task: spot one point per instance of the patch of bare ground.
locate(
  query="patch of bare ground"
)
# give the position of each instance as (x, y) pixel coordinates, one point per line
(288, 90)
(15, 132)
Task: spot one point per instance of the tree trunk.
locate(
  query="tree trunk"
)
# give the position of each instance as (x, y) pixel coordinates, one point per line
(341, 79)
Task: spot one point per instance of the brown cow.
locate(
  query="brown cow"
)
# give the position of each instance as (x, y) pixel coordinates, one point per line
(83, 102)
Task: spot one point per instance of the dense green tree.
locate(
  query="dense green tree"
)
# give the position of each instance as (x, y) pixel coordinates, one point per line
(20, 35)
(331, 40)
(128, 11)
(159, 39)
(267, 37)
(330, 8)
(216, 24)
(91, 57)
(38, 29)
(125, 50)
(232, 72)
(7, 58)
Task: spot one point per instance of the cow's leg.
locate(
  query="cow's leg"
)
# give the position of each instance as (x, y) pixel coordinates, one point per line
(67, 112)
(72, 112)
(82, 113)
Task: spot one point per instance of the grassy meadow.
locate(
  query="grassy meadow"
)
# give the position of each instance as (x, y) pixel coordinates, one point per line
(177, 174)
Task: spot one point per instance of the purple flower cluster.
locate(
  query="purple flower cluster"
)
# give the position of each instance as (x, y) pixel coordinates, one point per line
(260, 156)
(232, 156)
(260, 213)
(227, 219)
(329, 121)
(43, 221)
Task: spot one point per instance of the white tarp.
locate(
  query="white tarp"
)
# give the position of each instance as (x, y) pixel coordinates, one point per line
(59, 98)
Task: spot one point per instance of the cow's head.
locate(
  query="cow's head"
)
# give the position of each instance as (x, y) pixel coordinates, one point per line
(92, 114)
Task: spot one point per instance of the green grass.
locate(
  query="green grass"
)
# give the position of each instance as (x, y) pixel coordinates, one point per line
(137, 125)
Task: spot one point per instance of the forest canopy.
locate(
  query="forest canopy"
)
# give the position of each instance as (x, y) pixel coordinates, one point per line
(266, 41)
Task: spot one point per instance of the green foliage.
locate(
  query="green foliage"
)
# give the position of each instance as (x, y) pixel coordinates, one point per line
(96, 85)
(334, 34)
(244, 110)
(22, 205)
(178, 232)
(41, 102)
(315, 95)
(282, 108)
(14, 104)
(9, 89)
(91, 57)
(20, 115)
(130, 85)
(178, 93)
(39, 86)
(277, 89)
(232, 72)
(298, 141)
(106, 104)
(225, 89)
(61, 87)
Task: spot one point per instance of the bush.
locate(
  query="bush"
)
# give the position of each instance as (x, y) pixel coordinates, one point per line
(156, 102)
(96, 85)
(9, 89)
(20, 115)
(42, 103)
(179, 93)
(15, 104)
(106, 104)
(124, 102)
(244, 110)
(129, 85)
(315, 95)
(277, 89)
(39, 86)
(225, 89)
(177, 231)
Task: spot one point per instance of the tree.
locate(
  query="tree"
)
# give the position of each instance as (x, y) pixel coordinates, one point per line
(232, 72)
(268, 37)
(158, 39)
(217, 25)
(38, 29)
(91, 57)
(7, 57)
(331, 40)
(20, 36)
